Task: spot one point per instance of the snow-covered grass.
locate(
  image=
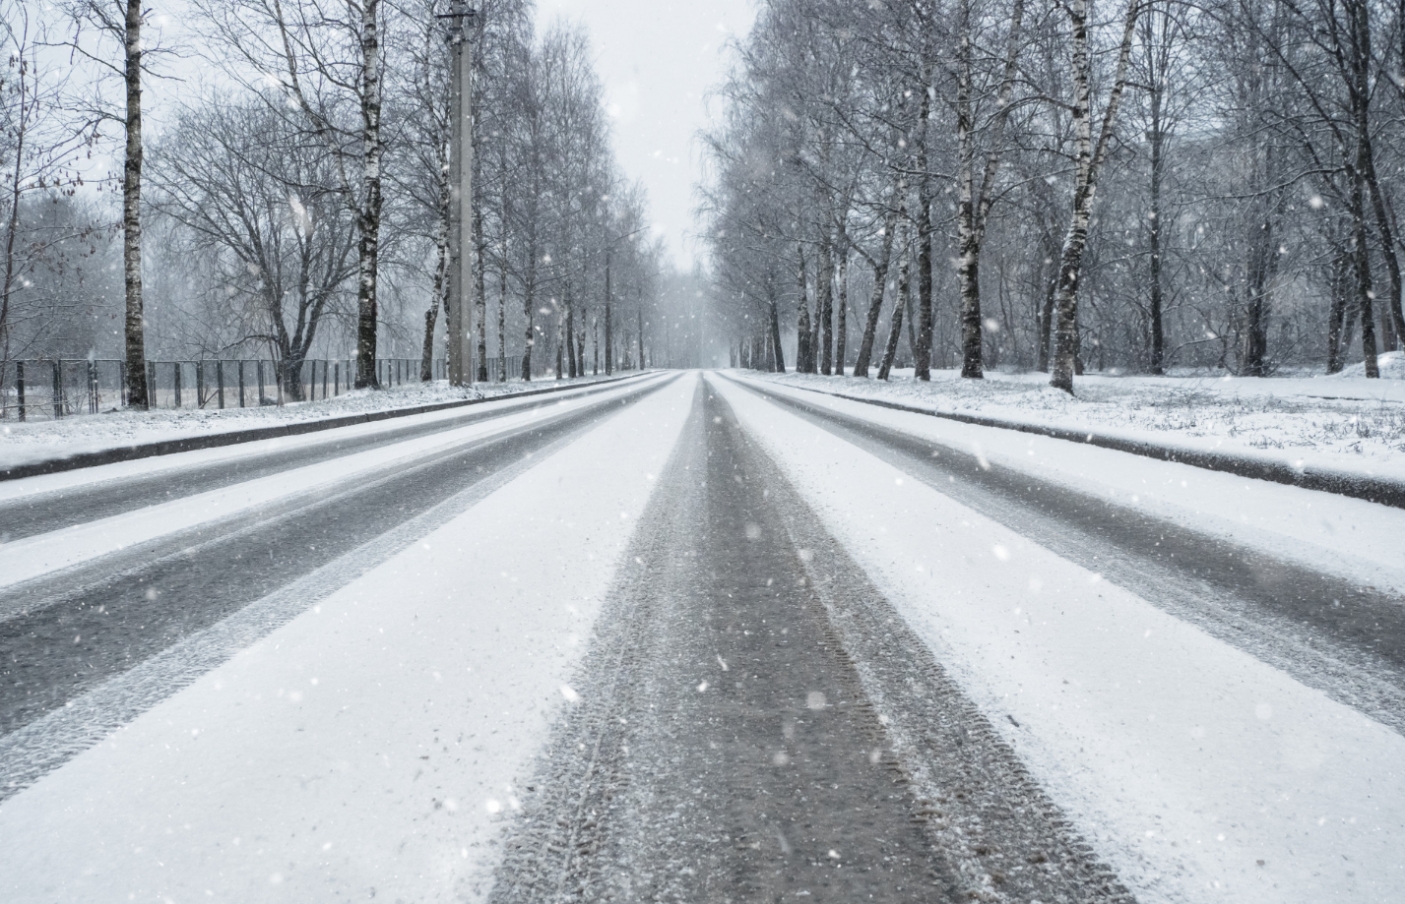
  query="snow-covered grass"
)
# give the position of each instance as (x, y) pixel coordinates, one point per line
(1198, 772)
(1343, 422)
(372, 746)
(41, 440)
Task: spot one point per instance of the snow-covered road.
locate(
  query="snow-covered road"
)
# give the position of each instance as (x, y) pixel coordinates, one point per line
(714, 639)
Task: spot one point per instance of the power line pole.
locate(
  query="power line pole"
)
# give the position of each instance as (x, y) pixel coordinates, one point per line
(461, 261)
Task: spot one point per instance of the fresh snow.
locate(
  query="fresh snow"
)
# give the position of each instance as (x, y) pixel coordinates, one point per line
(41, 440)
(31, 557)
(372, 746)
(1350, 538)
(1196, 771)
(1340, 423)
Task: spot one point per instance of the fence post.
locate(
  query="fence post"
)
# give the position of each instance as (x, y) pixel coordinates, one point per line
(92, 386)
(258, 365)
(19, 385)
(121, 384)
(151, 384)
(241, 382)
(219, 379)
(177, 366)
(336, 377)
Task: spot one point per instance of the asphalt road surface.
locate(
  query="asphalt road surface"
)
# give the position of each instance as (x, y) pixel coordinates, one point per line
(81, 626)
(728, 749)
(1333, 634)
(43, 512)
(755, 721)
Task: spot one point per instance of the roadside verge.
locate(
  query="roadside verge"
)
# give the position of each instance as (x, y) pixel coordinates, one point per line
(293, 428)
(1382, 490)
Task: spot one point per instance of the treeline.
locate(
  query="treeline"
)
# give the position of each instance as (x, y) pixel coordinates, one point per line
(289, 194)
(1131, 185)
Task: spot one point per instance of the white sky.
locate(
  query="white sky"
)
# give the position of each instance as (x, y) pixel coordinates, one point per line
(658, 58)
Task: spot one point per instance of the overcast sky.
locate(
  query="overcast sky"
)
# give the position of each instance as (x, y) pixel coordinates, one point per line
(658, 58)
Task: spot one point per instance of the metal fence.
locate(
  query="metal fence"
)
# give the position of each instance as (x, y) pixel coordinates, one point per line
(58, 387)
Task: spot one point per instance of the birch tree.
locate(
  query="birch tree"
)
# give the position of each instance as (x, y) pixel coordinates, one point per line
(1090, 152)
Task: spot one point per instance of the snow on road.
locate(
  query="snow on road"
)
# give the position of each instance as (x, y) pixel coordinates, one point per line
(372, 746)
(40, 440)
(1198, 772)
(1352, 538)
(1341, 423)
(27, 558)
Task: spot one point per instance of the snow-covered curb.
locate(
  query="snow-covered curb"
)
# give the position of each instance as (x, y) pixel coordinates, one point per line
(1358, 484)
(289, 425)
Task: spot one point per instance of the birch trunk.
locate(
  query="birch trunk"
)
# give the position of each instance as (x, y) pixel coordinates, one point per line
(502, 301)
(975, 199)
(570, 335)
(135, 324)
(841, 326)
(529, 298)
(804, 354)
(1361, 260)
(875, 304)
(368, 218)
(441, 273)
(895, 330)
(609, 327)
(824, 301)
(922, 340)
(1158, 336)
(777, 355)
(1087, 163)
(480, 289)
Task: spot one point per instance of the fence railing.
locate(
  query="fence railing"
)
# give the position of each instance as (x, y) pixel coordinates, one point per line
(59, 387)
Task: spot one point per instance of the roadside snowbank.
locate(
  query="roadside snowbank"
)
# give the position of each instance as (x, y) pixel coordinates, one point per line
(370, 747)
(22, 443)
(1196, 771)
(1340, 423)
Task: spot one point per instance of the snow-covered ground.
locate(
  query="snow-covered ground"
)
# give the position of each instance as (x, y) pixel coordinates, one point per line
(41, 440)
(1342, 423)
(1199, 772)
(372, 746)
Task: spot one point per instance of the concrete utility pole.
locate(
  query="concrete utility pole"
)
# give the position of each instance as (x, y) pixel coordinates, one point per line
(461, 260)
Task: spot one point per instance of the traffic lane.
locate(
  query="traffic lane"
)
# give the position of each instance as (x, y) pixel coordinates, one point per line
(30, 515)
(1352, 634)
(726, 747)
(86, 624)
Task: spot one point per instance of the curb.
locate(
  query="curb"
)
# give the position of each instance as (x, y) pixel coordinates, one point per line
(1380, 490)
(235, 437)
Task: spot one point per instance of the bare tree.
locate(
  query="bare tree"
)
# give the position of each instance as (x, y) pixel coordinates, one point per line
(121, 23)
(270, 208)
(329, 71)
(1088, 159)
